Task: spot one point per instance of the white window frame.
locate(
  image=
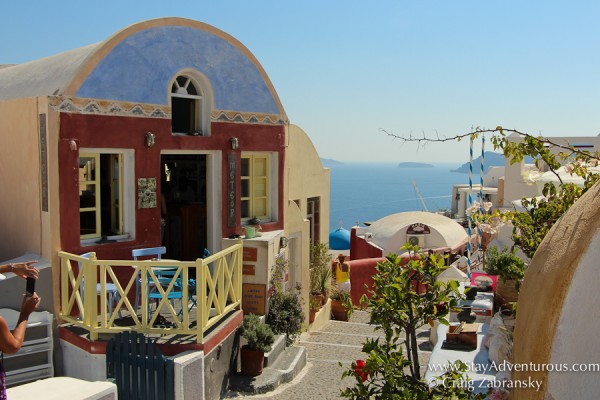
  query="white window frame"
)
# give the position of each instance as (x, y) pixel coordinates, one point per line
(204, 99)
(128, 188)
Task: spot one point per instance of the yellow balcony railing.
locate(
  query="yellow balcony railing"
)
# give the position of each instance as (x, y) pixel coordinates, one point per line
(204, 301)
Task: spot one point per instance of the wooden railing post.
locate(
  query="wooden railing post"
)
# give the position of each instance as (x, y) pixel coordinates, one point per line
(103, 302)
(220, 286)
(185, 281)
(64, 283)
(238, 273)
(90, 297)
(201, 306)
(144, 296)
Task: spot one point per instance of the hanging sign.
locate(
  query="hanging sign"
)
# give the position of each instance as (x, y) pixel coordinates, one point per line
(231, 190)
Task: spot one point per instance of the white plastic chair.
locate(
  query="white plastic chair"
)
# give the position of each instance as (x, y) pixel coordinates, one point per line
(111, 288)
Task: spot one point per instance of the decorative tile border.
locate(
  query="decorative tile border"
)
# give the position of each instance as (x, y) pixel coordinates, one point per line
(247, 118)
(109, 107)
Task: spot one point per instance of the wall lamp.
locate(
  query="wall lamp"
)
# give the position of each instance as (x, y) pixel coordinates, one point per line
(150, 139)
(283, 242)
(235, 143)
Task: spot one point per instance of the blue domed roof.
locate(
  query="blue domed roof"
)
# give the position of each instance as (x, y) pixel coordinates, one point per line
(339, 239)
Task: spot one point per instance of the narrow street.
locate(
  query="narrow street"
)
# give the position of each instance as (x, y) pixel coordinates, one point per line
(337, 342)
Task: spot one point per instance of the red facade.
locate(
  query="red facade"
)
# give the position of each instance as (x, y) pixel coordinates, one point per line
(119, 132)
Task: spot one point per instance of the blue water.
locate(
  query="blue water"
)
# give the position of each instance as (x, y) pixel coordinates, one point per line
(369, 191)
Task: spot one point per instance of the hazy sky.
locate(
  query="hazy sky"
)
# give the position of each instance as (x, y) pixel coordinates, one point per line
(344, 70)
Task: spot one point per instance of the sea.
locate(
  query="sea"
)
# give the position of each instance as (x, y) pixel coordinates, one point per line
(366, 192)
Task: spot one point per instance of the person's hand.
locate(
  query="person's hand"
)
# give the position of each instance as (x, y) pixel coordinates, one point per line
(30, 304)
(25, 269)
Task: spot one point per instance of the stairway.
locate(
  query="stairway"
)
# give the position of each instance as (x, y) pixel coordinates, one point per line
(335, 342)
(282, 364)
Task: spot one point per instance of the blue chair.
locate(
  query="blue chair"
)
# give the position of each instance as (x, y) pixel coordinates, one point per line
(150, 252)
(164, 277)
(111, 288)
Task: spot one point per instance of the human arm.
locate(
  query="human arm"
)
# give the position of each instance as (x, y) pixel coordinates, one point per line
(22, 269)
(10, 342)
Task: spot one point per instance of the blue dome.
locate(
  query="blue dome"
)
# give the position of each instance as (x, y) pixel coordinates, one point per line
(339, 239)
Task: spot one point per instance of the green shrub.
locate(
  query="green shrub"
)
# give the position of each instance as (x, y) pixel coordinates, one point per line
(506, 264)
(320, 268)
(285, 314)
(340, 295)
(258, 334)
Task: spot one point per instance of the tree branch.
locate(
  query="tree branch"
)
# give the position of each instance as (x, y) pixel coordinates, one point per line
(421, 141)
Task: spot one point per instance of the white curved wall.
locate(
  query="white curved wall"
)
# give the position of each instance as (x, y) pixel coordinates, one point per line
(576, 337)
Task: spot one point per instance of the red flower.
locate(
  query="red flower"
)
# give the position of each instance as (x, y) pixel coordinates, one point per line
(360, 364)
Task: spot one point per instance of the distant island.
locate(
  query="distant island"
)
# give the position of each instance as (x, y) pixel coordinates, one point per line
(327, 162)
(414, 165)
(491, 160)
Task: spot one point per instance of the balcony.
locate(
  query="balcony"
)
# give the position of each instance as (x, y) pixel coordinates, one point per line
(200, 304)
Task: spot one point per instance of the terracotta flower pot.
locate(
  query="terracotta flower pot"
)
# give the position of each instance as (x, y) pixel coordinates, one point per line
(339, 311)
(311, 316)
(252, 361)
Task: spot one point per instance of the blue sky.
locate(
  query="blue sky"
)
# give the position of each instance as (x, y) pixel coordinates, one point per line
(344, 70)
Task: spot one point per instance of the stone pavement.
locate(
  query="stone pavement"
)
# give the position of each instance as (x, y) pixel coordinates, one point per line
(336, 342)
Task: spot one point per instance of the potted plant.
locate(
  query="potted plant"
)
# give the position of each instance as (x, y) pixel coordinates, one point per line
(259, 339)
(314, 305)
(285, 314)
(320, 271)
(341, 304)
(324, 283)
(509, 268)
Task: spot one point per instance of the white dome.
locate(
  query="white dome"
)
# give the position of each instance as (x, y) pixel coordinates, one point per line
(390, 232)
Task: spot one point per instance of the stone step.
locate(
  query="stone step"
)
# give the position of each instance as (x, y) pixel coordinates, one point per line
(343, 336)
(291, 363)
(276, 349)
(338, 338)
(329, 352)
(358, 328)
(284, 369)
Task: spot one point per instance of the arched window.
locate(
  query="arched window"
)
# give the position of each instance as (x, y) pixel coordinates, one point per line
(190, 107)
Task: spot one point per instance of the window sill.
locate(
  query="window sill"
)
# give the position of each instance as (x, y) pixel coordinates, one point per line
(264, 236)
(200, 134)
(247, 223)
(107, 239)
